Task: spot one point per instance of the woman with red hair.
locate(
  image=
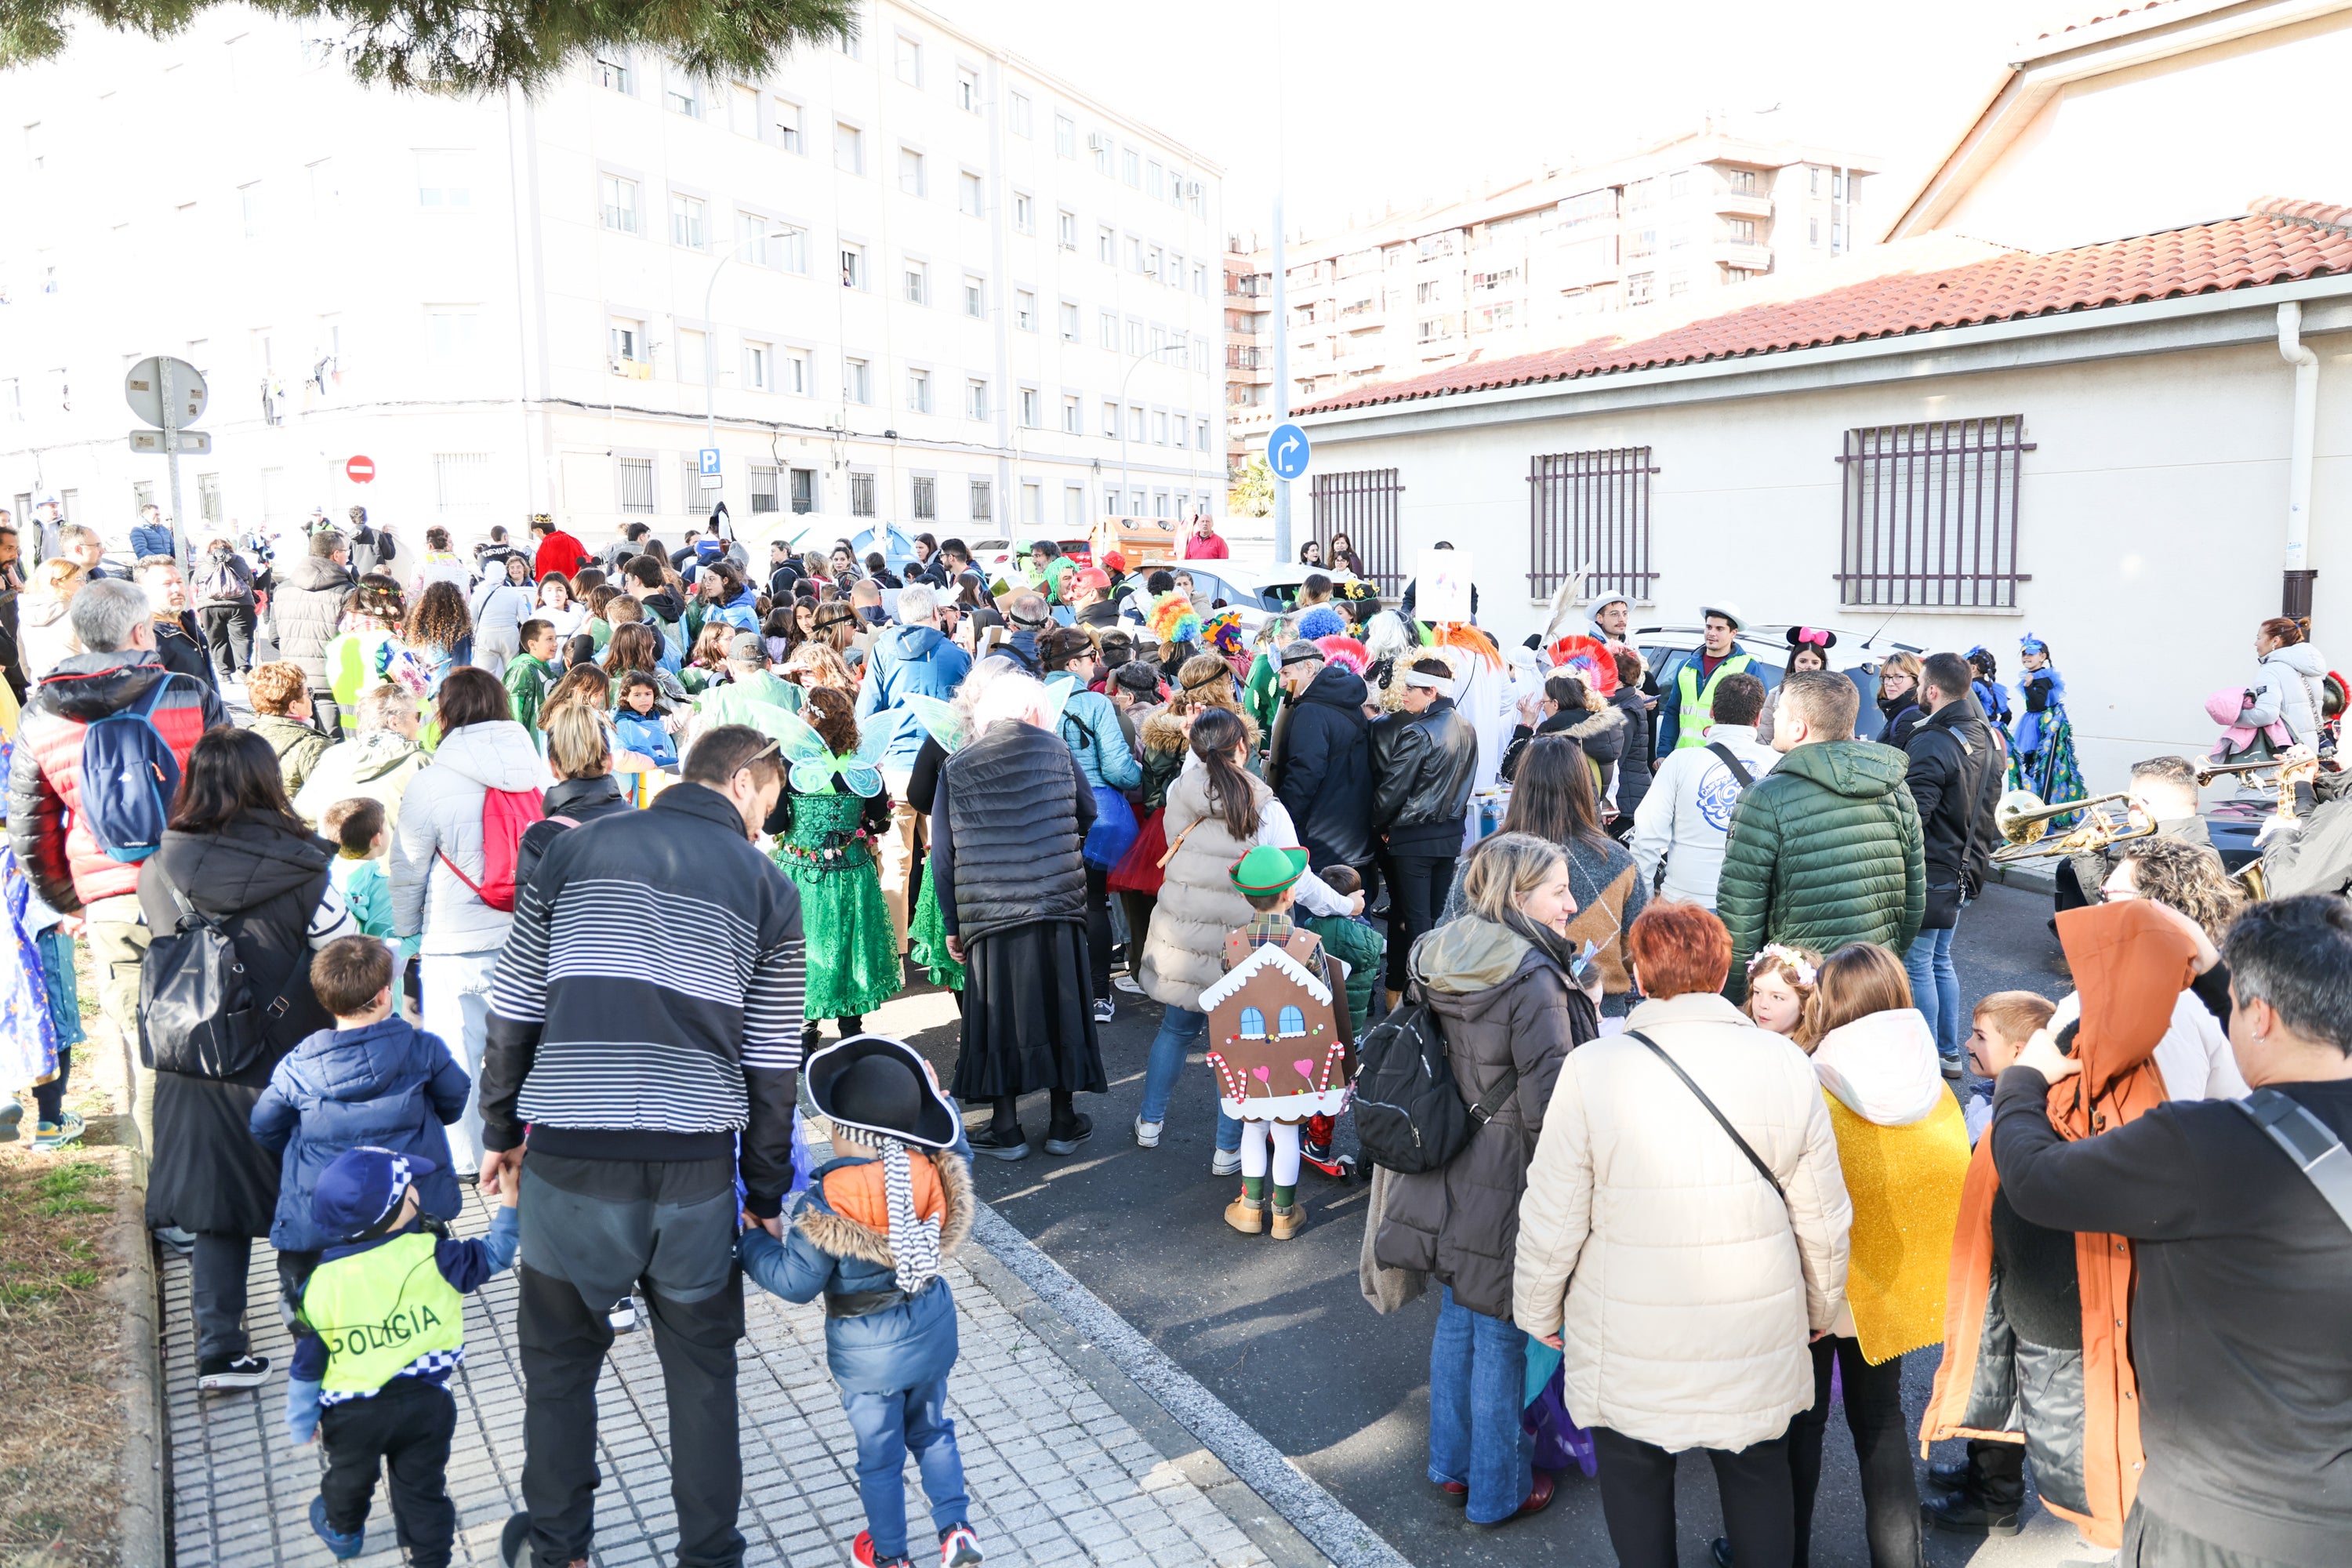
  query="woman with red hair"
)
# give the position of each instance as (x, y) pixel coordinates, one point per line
(1683, 1238)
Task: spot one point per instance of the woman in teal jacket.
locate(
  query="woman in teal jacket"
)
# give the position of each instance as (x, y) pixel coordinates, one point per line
(1090, 728)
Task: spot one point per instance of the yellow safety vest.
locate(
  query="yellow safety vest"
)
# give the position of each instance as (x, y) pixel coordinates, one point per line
(1697, 708)
(380, 1310)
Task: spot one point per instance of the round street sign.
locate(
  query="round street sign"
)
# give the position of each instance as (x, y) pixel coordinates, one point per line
(360, 470)
(1286, 451)
(142, 388)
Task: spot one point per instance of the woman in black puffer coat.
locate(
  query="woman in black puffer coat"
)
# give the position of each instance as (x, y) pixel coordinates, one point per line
(1634, 764)
(237, 854)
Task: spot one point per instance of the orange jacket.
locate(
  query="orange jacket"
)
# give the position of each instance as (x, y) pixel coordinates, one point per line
(2129, 965)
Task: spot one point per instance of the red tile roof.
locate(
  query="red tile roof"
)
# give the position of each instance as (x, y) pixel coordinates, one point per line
(2303, 240)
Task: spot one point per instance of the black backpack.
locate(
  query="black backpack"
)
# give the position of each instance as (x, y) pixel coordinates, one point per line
(196, 1011)
(1410, 1115)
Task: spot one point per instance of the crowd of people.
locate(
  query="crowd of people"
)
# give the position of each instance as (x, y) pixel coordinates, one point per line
(552, 871)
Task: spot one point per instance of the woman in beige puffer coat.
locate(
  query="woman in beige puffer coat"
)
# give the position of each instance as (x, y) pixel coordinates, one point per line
(1184, 953)
(1680, 1287)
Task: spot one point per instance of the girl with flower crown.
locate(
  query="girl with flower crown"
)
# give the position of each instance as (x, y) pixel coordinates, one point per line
(1780, 984)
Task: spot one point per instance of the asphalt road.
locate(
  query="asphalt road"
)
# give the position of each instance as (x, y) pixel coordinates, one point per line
(1278, 1332)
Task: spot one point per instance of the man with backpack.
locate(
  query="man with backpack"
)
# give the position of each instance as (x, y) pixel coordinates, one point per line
(94, 724)
(1680, 827)
(1954, 775)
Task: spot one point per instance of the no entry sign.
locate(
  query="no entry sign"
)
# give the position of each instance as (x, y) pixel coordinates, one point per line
(360, 470)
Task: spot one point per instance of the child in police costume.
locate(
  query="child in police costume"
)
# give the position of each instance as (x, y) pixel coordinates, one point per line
(1279, 1040)
(379, 1326)
(868, 1235)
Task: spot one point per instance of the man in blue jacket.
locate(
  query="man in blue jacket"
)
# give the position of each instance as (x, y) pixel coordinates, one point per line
(913, 658)
(150, 535)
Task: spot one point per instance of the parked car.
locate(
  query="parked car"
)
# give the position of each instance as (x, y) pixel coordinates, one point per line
(1857, 655)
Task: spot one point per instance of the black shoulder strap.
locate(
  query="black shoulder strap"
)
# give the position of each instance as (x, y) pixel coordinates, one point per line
(1721, 1121)
(2315, 1149)
(1731, 760)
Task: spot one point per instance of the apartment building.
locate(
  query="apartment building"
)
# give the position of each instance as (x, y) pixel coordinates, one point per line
(911, 280)
(1532, 264)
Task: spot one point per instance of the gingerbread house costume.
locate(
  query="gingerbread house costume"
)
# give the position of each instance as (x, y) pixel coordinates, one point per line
(1279, 1045)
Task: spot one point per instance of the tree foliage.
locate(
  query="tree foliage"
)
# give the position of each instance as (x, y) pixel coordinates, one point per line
(1252, 492)
(481, 47)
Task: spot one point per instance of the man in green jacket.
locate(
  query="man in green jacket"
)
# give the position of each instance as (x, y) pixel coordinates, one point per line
(1825, 849)
(748, 690)
(531, 672)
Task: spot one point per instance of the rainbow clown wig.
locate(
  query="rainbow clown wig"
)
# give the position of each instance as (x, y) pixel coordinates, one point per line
(1172, 620)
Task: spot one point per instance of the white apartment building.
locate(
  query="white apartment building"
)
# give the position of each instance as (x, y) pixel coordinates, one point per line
(1528, 265)
(927, 285)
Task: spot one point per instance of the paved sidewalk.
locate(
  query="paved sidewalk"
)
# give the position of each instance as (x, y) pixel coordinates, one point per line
(1056, 1476)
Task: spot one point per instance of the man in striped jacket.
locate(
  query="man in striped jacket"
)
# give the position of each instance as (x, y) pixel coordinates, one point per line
(644, 1031)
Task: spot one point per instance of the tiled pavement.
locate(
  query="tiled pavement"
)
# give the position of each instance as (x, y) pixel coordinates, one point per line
(1057, 1477)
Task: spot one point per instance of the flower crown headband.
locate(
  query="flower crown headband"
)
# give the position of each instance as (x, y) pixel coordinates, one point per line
(1774, 953)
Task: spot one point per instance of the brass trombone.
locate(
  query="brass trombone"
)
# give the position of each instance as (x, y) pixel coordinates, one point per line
(2023, 820)
(2213, 771)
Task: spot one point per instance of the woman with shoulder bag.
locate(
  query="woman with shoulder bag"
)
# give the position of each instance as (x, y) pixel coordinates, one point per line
(234, 853)
(1498, 981)
(1682, 1239)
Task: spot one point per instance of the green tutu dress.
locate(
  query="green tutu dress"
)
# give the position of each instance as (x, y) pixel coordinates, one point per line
(926, 939)
(853, 958)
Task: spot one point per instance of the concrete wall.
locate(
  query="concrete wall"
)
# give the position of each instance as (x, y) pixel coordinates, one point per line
(2152, 519)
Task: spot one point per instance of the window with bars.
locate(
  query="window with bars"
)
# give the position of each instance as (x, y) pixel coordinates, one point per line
(1362, 504)
(461, 483)
(763, 488)
(1590, 512)
(1931, 514)
(634, 479)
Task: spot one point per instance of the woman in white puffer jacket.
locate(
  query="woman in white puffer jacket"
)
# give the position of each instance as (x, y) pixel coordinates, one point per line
(2290, 684)
(482, 749)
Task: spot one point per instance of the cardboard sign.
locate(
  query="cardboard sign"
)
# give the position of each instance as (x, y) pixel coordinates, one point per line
(1443, 591)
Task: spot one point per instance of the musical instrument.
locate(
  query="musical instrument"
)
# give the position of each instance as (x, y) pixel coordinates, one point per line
(2023, 820)
(2213, 771)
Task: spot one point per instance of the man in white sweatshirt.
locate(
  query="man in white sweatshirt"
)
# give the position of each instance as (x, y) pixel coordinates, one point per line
(1683, 821)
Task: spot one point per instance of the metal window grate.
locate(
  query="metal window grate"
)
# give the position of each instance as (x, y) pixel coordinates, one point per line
(1362, 504)
(1931, 513)
(635, 476)
(461, 483)
(1590, 512)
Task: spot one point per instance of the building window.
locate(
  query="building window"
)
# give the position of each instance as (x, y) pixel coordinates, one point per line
(1640, 287)
(1131, 168)
(686, 221)
(1589, 511)
(1107, 331)
(848, 149)
(1110, 420)
(1065, 230)
(1024, 213)
(627, 339)
(1069, 321)
(857, 380)
(910, 62)
(1065, 136)
(208, 498)
(1814, 232)
(633, 482)
(1201, 279)
(1020, 113)
(445, 184)
(983, 502)
(1134, 339)
(1134, 422)
(452, 334)
(789, 246)
(968, 192)
(788, 127)
(763, 488)
(926, 499)
(1200, 434)
(1029, 419)
(684, 98)
(1155, 180)
(1931, 513)
(968, 89)
(974, 304)
(910, 171)
(1740, 180)
(1134, 254)
(615, 74)
(1099, 144)
(1107, 246)
(1024, 309)
(803, 492)
(692, 364)
(975, 399)
(918, 283)
(1739, 230)
(759, 367)
(798, 380)
(1362, 504)
(1072, 415)
(861, 495)
(918, 391)
(620, 204)
(756, 240)
(853, 266)
(1159, 427)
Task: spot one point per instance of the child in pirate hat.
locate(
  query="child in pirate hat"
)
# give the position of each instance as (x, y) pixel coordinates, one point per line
(379, 1326)
(868, 1235)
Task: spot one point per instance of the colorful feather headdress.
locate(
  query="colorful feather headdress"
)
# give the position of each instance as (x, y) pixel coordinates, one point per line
(1223, 632)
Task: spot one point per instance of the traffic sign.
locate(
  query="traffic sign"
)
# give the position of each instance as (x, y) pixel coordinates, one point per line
(360, 470)
(709, 463)
(142, 388)
(712, 481)
(162, 442)
(1286, 451)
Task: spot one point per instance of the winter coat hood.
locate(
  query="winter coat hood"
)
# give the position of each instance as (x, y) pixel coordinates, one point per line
(250, 862)
(666, 605)
(1336, 686)
(2129, 965)
(1469, 955)
(2302, 658)
(42, 610)
(496, 754)
(380, 752)
(909, 642)
(1859, 770)
(313, 573)
(1882, 1067)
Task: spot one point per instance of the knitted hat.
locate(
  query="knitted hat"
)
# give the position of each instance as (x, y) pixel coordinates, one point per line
(1265, 869)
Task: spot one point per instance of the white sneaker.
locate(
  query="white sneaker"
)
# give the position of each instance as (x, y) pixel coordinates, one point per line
(1106, 1010)
(1228, 1162)
(1128, 983)
(624, 1315)
(1147, 1133)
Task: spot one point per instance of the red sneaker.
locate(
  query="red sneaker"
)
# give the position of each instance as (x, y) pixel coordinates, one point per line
(863, 1550)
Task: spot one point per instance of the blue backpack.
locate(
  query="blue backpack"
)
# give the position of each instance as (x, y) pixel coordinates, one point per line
(129, 779)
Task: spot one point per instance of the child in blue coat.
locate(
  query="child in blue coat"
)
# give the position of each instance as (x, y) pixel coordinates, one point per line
(868, 1235)
(373, 1081)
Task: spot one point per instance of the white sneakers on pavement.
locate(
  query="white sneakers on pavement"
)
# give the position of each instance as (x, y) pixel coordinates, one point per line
(1147, 1133)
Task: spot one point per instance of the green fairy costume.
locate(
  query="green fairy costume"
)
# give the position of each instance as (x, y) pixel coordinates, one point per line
(827, 850)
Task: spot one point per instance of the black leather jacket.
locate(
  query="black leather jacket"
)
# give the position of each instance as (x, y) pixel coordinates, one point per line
(1423, 768)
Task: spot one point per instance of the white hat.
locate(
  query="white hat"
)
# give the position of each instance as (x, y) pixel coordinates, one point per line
(1727, 610)
(1606, 600)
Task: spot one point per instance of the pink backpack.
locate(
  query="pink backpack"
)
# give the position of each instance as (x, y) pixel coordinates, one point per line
(506, 813)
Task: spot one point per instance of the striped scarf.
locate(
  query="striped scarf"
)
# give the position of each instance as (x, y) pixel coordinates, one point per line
(914, 1243)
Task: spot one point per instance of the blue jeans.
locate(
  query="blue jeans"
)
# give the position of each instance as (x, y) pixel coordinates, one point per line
(1178, 1028)
(1936, 991)
(1477, 1373)
(890, 1426)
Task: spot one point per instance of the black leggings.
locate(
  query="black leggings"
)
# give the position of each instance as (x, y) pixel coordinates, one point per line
(1417, 888)
(49, 1098)
(1637, 1500)
(1874, 1412)
(1005, 1114)
(1098, 929)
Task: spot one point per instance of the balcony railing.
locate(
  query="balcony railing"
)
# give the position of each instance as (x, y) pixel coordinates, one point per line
(1241, 356)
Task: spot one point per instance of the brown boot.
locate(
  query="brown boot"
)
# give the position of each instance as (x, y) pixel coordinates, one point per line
(1247, 1214)
(1288, 1221)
